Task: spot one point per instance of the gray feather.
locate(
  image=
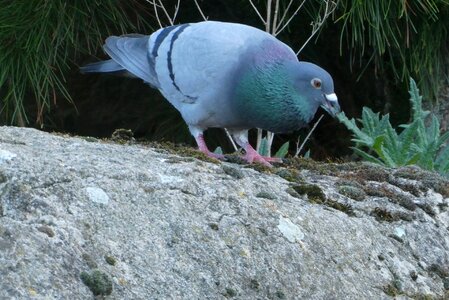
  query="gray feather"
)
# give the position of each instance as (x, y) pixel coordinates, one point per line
(102, 66)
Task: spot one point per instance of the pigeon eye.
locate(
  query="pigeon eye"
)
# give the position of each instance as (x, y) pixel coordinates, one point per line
(316, 83)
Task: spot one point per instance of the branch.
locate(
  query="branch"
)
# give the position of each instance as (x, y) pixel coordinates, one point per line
(160, 5)
(231, 139)
(308, 136)
(290, 19)
(258, 13)
(275, 28)
(176, 11)
(268, 23)
(165, 12)
(205, 19)
(330, 7)
(275, 17)
(157, 14)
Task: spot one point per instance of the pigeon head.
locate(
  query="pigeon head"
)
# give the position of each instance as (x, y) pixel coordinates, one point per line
(316, 84)
(284, 95)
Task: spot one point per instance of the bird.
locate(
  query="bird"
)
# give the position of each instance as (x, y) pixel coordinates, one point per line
(224, 75)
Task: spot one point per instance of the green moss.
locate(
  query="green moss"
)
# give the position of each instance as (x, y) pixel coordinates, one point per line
(405, 216)
(314, 192)
(177, 159)
(396, 237)
(182, 150)
(260, 168)
(412, 188)
(439, 269)
(98, 282)
(381, 214)
(254, 284)
(110, 260)
(233, 172)
(370, 172)
(280, 295)
(394, 288)
(309, 164)
(214, 226)
(413, 275)
(352, 192)
(235, 158)
(424, 297)
(429, 180)
(89, 261)
(316, 195)
(266, 195)
(230, 293)
(392, 195)
(122, 136)
(346, 208)
(292, 192)
(89, 139)
(47, 230)
(446, 283)
(288, 174)
(427, 208)
(3, 177)
(391, 290)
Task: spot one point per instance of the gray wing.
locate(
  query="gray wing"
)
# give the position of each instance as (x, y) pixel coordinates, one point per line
(131, 52)
(129, 56)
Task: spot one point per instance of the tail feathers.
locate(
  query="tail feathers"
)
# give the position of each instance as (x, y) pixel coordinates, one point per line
(131, 52)
(129, 56)
(102, 67)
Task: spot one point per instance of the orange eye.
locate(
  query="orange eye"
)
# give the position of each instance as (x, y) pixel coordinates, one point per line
(316, 83)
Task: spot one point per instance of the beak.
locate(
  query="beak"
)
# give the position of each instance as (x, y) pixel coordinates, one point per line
(331, 104)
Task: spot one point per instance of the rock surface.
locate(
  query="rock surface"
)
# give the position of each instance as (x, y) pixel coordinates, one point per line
(82, 217)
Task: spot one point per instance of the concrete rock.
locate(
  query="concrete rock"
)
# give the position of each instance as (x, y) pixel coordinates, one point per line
(182, 228)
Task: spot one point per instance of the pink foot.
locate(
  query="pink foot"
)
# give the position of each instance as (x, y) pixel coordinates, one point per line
(253, 156)
(203, 148)
(213, 155)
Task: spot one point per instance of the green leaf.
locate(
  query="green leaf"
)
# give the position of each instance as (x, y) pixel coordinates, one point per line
(283, 151)
(352, 126)
(366, 156)
(218, 150)
(307, 154)
(264, 149)
(442, 161)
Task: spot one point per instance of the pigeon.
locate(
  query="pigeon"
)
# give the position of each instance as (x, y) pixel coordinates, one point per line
(224, 75)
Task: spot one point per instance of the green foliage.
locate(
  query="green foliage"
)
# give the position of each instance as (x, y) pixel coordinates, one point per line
(218, 150)
(283, 151)
(410, 35)
(37, 40)
(264, 149)
(419, 143)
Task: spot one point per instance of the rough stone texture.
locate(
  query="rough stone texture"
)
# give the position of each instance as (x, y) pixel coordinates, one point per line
(160, 226)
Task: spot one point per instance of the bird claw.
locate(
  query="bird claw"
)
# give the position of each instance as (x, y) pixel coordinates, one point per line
(216, 156)
(213, 155)
(251, 157)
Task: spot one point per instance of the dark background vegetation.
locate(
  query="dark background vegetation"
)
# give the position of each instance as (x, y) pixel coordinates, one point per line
(370, 48)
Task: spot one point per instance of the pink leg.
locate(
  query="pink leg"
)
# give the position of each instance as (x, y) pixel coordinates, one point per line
(203, 147)
(252, 156)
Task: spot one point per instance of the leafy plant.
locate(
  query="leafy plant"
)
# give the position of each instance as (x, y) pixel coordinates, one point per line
(39, 38)
(419, 143)
(265, 147)
(409, 35)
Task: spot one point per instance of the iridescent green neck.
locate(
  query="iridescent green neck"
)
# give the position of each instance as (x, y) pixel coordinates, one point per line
(266, 97)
